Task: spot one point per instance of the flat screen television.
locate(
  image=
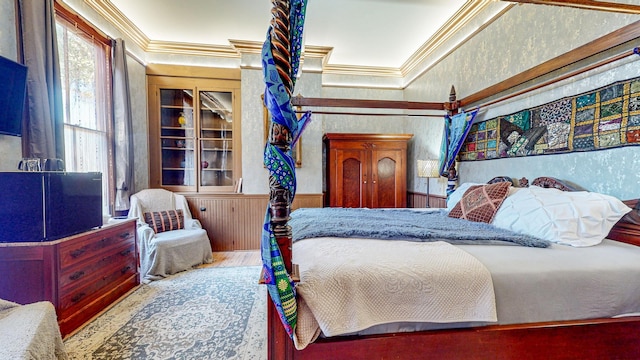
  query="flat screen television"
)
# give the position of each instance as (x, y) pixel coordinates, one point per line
(13, 90)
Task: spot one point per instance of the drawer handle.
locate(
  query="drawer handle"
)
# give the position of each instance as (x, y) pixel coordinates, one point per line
(76, 253)
(125, 252)
(125, 235)
(77, 297)
(77, 275)
(124, 270)
(103, 242)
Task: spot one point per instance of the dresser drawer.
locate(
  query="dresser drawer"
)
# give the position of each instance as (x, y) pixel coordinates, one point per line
(74, 298)
(74, 252)
(74, 276)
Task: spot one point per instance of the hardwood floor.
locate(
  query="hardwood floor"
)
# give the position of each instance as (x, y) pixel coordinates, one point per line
(235, 258)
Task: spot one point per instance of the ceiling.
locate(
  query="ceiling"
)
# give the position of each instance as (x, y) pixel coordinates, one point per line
(362, 33)
(383, 37)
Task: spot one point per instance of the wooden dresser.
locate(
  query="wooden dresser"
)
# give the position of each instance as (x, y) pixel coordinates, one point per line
(366, 170)
(80, 274)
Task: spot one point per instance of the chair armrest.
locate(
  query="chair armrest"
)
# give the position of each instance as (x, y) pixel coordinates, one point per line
(192, 224)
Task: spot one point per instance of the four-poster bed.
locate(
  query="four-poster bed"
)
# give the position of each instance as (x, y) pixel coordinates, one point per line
(585, 339)
(601, 337)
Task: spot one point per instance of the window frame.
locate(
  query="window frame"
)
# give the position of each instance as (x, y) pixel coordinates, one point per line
(83, 28)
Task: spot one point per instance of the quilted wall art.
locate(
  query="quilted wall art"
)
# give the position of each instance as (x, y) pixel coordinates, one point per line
(603, 118)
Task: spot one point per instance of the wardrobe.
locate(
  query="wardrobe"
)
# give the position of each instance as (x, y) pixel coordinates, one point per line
(366, 170)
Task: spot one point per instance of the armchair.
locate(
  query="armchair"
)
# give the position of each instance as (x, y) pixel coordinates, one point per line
(168, 252)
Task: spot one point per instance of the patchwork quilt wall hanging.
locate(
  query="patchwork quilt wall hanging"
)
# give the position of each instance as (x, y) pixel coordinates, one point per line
(603, 118)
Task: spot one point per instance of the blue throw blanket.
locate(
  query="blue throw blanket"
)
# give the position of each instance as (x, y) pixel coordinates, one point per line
(401, 224)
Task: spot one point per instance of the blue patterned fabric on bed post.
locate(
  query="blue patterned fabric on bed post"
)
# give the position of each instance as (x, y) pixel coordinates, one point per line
(280, 60)
(456, 129)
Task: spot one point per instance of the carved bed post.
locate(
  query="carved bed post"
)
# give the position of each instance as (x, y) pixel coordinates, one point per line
(279, 135)
(452, 174)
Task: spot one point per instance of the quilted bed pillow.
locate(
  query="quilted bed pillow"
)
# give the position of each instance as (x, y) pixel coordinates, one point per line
(166, 220)
(481, 202)
(577, 218)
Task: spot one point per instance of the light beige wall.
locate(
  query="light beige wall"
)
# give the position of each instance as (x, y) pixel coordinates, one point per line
(522, 38)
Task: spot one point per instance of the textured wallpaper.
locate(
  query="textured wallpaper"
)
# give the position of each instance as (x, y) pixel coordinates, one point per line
(523, 37)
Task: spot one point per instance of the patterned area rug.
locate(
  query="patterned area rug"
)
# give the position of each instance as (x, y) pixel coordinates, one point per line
(208, 313)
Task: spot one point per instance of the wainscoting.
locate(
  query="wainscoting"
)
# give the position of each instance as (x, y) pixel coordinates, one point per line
(419, 200)
(234, 221)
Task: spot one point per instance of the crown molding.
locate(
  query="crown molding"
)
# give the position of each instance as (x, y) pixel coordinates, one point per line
(246, 46)
(362, 70)
(114, 16)
(462, 17)
(111, 13)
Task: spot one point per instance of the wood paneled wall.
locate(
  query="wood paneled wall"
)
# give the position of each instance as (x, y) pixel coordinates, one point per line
(419, 200)
(234, 221)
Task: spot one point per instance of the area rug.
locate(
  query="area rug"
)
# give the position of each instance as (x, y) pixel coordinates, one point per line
(207, 313)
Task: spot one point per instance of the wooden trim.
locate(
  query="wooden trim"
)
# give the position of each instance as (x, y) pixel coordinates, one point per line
(609, 41)
(193, 72)
(586, 5)
(80, 23)
(367, 137)
(368, 104)
(585, 339)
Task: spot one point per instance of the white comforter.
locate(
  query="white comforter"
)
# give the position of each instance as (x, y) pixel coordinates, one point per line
(347, 286)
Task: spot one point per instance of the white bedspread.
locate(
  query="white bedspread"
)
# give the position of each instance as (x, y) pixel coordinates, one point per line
(348, 285)
(30, 332)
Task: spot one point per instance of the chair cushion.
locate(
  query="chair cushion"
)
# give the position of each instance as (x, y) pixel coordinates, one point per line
(166, 220)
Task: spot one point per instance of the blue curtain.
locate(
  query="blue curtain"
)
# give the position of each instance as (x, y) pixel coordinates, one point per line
(456, 129)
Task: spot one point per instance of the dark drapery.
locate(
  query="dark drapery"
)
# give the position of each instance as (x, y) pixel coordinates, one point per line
(122, 127)
(43, 130)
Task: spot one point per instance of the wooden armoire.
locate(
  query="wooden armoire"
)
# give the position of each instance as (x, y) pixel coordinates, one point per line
(366, 170)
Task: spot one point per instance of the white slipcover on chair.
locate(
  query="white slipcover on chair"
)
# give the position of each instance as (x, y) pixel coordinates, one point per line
(172, 251)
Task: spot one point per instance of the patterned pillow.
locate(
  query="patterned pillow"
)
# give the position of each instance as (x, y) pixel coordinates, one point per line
(481, 202)
(165, 220)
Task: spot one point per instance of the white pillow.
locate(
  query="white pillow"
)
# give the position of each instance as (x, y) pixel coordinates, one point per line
(577, 218)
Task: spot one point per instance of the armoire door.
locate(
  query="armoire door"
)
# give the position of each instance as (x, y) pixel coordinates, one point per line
(388, 187)
(351, 180)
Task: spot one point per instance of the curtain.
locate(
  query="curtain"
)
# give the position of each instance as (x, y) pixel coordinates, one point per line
(122, 128)
(456, 129)
(43, 129)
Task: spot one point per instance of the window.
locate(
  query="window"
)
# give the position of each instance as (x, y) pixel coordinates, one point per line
(85, 76)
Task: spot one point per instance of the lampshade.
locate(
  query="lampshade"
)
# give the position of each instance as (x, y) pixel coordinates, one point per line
(428, 168)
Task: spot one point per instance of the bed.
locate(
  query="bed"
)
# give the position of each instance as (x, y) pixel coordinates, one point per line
(612, 333)
(554, 313)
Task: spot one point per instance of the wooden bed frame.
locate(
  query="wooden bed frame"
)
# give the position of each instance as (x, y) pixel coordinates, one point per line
(581, 339)
(585, 339)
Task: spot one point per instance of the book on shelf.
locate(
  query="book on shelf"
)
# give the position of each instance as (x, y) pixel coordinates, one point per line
(238, 186)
